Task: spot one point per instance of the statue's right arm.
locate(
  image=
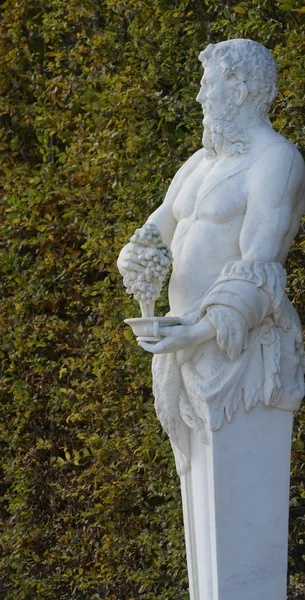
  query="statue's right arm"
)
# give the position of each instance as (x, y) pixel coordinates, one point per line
(163, 217)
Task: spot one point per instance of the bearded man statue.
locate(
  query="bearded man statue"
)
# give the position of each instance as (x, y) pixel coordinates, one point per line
(231, 375)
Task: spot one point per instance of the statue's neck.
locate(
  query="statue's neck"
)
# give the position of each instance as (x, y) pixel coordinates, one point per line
(251, 121)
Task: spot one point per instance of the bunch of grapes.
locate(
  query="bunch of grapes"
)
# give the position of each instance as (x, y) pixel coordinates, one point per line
(155, 257)
(141, 289)
(156, 262)
(148, 235)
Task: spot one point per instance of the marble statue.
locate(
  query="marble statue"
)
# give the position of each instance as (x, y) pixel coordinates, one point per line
(228, 372)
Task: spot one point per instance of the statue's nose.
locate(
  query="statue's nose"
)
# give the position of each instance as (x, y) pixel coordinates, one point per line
(201, 96)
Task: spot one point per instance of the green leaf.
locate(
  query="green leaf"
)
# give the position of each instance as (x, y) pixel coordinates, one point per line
(240, 10)
(286, 6)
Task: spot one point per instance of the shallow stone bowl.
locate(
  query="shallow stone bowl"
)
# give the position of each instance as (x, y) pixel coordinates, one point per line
(149, 329)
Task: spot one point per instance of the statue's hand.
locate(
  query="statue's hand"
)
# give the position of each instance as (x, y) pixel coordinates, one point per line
(232, 329)
(128, 260)
(173, 339)
(180, 336)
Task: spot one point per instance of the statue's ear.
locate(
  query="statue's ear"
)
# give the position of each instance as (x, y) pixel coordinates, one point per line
(259, 82)
(238, 78)
(241, 91)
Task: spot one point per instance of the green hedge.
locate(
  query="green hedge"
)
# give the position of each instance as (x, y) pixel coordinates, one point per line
(97, 112)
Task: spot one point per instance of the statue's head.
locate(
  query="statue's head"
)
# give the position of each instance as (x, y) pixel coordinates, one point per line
(248, 63)
(238, 74)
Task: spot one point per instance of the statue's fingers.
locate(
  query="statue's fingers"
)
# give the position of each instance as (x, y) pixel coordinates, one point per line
(132, 266)
(146, 346)
(166, 345)
(246, 339)
(175, 331)
(164, 331)
(222, 337)
(153, 348)
(131, 256)
(235, 344)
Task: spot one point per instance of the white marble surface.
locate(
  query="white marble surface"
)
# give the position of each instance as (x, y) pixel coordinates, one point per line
(239, 509)
(232, 373)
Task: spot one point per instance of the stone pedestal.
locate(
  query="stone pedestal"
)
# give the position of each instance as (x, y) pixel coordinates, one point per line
(235, 503)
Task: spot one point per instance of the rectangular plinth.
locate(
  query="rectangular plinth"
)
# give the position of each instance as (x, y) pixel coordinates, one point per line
(235, 502)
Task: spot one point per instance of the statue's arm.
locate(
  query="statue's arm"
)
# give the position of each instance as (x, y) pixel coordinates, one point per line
(275, 204)
(163, 217)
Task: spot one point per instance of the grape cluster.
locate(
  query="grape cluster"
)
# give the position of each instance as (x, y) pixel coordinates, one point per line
(148, 235)
(141, 289)
(156, 262)
(155, 257)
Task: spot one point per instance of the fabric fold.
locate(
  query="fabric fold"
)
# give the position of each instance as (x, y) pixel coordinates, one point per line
(208, 387)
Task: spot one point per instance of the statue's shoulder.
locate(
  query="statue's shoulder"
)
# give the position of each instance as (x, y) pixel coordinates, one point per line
(188, 166)
(277, 175)
(181, 175)
(277, 154)
(193, 160)
(282, 149)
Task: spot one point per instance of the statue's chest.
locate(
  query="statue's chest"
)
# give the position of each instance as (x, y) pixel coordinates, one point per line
(214, 197)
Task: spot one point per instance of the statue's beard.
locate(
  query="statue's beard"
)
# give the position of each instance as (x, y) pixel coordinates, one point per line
(222, 135)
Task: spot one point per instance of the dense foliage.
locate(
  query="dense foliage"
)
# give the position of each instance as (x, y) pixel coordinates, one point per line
(97, 111)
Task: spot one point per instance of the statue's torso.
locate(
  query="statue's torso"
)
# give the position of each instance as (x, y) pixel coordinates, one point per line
(209, 210)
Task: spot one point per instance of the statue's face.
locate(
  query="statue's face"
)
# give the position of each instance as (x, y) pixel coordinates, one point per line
(215, 91)
(221, 100)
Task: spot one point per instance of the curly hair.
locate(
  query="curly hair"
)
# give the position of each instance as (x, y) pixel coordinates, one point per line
(247, 61)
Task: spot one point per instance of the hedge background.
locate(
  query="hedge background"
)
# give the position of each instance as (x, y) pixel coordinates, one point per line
(97, 112)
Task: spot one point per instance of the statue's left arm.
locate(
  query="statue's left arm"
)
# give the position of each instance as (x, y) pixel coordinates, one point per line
(252, 288)
(275, 204)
